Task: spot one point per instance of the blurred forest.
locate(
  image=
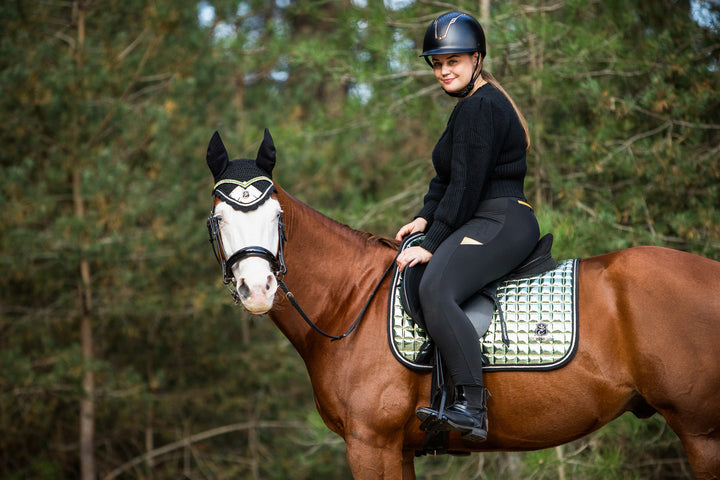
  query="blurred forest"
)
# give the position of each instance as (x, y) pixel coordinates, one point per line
(121, 354)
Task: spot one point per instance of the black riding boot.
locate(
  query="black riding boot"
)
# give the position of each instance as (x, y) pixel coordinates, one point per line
(468, 415)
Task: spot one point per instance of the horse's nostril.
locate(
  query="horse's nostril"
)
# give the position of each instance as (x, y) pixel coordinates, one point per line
(243, 289)
(268, 285)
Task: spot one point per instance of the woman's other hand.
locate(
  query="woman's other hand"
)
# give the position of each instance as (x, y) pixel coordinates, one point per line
(417, 225)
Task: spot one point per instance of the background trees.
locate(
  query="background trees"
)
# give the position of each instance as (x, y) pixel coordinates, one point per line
(120, 355)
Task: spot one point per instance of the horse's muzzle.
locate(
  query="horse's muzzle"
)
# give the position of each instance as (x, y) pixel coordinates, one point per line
(257, 296)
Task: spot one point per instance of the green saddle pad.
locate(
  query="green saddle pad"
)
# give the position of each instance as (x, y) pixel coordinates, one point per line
(540, 316)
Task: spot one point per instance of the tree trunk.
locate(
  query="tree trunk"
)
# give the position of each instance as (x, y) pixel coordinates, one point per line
(485, 22)
(536, 52)
(87, 403)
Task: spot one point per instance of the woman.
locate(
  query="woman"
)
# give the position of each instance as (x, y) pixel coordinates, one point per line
(478, 225)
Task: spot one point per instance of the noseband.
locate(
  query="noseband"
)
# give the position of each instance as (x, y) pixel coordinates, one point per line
(277, 262)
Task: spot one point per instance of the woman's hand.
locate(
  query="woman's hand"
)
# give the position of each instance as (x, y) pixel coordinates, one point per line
(417, 225)
(412, 256)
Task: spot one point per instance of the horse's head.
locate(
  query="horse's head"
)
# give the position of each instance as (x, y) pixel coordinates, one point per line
(245, 224)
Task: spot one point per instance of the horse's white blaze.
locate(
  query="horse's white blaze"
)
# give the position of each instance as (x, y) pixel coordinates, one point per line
(256, 284)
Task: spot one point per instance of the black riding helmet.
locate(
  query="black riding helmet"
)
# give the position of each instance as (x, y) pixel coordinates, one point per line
(454, 32)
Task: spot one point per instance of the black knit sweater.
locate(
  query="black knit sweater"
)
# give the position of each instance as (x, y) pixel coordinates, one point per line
(481, 155)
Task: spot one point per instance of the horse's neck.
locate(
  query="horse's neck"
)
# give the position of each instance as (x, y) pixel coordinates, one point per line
(329, 268)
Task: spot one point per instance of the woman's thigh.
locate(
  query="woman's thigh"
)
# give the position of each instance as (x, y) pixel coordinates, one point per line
(486, 248)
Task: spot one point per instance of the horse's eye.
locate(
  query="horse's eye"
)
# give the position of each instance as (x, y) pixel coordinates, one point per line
(219, 218)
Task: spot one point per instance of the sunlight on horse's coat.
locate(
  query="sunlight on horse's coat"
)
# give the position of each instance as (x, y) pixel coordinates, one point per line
(254, 277)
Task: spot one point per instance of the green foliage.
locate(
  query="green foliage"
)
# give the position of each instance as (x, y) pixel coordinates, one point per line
(104, 133)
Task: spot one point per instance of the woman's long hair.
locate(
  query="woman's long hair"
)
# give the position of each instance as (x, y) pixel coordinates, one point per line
(487, 76)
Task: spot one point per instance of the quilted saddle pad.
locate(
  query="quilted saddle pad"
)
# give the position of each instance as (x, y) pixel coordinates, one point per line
(540, 316)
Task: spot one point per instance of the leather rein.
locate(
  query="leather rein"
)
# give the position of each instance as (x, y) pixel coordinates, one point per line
(279, 268)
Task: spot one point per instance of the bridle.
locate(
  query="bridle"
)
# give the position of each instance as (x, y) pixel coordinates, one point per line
(277, 262)
(279, 269)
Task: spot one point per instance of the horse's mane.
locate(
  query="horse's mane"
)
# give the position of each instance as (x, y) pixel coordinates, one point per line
(369, 240)
(386, 241)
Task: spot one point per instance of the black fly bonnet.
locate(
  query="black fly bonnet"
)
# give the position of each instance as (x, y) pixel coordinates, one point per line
(244, 184)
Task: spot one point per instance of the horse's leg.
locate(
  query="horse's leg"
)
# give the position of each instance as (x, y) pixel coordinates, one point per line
(408, 471)
(380, 463)
(376, 457)
(696, 421)
(703, 451)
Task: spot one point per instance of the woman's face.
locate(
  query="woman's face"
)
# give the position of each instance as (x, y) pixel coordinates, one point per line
(454, 70)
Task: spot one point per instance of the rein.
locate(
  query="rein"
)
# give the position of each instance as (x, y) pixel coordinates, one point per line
(291, 298)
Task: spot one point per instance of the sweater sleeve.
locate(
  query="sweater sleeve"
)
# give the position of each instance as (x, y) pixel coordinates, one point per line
(471, 161)
(432, 198)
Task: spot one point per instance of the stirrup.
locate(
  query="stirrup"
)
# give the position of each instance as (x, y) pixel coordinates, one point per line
(424, 413)
(429, 419)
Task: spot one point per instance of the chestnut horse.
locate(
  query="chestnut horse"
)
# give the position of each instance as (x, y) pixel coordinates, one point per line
(649, 326)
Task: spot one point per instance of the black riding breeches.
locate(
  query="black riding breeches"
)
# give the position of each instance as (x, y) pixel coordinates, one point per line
(501, 234)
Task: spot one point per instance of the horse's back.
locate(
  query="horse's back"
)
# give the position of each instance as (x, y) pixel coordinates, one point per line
(657, 294)
(663, 259)
(671, 284)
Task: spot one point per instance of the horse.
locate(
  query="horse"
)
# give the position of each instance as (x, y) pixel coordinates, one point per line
(649, 328)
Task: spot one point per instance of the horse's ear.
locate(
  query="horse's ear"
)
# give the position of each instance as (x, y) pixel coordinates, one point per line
(266, 154)
(217, 156)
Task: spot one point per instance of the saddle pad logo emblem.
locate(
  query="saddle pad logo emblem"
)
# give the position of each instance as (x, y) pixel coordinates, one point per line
(541, 329)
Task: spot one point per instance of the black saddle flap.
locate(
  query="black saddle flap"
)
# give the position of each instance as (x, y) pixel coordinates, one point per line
(539, 261)
(480, 307)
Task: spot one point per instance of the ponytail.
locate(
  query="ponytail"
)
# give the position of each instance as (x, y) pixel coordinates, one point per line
(491, 80)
